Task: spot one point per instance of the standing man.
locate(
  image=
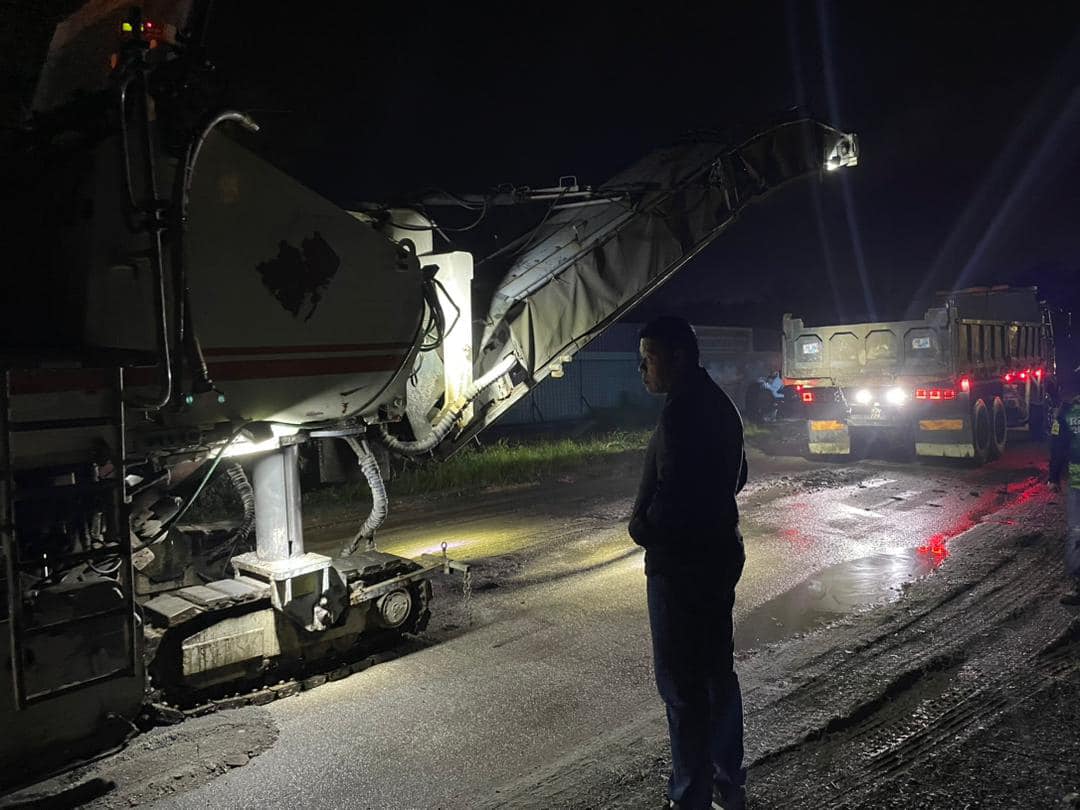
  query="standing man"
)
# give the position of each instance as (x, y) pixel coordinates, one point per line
(687, 519)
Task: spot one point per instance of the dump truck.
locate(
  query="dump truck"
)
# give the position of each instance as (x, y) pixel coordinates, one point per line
(951, 384)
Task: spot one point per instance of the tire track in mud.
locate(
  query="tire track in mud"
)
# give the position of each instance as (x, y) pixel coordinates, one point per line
(828, 684)
(1017, 644)
(931, 618)
(937, 719)
(948, 721)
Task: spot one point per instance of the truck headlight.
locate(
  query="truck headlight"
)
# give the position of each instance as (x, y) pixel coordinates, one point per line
(896, 396)
(863, 396)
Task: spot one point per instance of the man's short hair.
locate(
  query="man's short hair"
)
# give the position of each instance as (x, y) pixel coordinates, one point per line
(673, 332)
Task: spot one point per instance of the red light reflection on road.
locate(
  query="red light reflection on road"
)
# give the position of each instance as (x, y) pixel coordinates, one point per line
(1013, 495)
(795, 537)
(1026, 492)
(935, 547)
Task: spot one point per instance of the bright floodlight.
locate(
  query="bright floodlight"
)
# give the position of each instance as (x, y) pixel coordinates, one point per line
(844, 153)
(863, 396)
(896, 396)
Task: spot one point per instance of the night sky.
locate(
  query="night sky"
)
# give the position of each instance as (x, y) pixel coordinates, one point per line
(969, 124)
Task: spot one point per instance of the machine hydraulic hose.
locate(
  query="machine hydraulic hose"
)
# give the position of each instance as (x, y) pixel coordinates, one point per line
(369, 465)
(441, 429)
(153, 225)
(244, 491)
(185, 177)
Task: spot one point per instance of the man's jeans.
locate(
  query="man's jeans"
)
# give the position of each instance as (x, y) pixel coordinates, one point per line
(693, 653)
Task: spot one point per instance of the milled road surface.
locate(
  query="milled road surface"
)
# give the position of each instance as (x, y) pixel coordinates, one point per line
(556, 654)
(538, 692)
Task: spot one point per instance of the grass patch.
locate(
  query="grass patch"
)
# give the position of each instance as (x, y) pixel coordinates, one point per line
(505, 462)
(502, 463)
(754, 431)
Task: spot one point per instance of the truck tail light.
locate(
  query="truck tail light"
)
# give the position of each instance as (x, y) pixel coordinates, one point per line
(808, 396)
(1023, 375)
(1008, 377)
(965, 385)
(1038, 374)
(935, 393)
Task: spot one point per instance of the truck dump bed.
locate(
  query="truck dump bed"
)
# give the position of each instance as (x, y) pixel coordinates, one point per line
(978, 330)
(868, 351)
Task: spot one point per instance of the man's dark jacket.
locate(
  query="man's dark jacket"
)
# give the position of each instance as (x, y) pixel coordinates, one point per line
(685, 514)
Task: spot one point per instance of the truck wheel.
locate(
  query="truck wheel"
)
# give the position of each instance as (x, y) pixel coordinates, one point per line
(999, 433)
(981, 433)
(1037, 421)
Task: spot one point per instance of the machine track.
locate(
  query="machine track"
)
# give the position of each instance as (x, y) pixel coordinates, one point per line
(166, 707)
(174, 619)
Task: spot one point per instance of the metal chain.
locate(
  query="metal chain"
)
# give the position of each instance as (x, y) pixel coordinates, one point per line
(466, 594)
(466, 588)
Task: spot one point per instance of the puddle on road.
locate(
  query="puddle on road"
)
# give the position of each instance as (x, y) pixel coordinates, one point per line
(833, 592)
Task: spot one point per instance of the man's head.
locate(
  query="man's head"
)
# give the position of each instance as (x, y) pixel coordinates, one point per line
(669, 351)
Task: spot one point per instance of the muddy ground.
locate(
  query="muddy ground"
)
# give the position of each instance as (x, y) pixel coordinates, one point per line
(963, 694)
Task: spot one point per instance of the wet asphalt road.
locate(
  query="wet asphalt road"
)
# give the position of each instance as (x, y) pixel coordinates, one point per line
(553, 651)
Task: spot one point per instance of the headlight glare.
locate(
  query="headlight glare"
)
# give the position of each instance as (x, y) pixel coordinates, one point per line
(896, 396)
(863, 396)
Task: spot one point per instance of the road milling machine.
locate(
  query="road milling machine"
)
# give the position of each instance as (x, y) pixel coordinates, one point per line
(175, 307)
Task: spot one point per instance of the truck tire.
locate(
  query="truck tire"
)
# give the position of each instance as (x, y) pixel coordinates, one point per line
(999, 424)
(1037, 421)
(981, 432)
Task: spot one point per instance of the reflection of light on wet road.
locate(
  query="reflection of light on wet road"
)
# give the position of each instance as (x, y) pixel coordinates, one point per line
(1013, 495)
(489, 544)
(832, 592)
(440, 547)
(469, 544)
(870, 483)
(611, 552)
(855, 511)
(935, 547)
(859, 545)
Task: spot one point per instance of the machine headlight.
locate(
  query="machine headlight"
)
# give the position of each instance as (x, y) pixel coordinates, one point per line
(896, 396)
(863, 396)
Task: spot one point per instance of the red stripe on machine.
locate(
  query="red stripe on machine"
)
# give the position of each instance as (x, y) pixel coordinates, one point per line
(49, 381)
(245, 351)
